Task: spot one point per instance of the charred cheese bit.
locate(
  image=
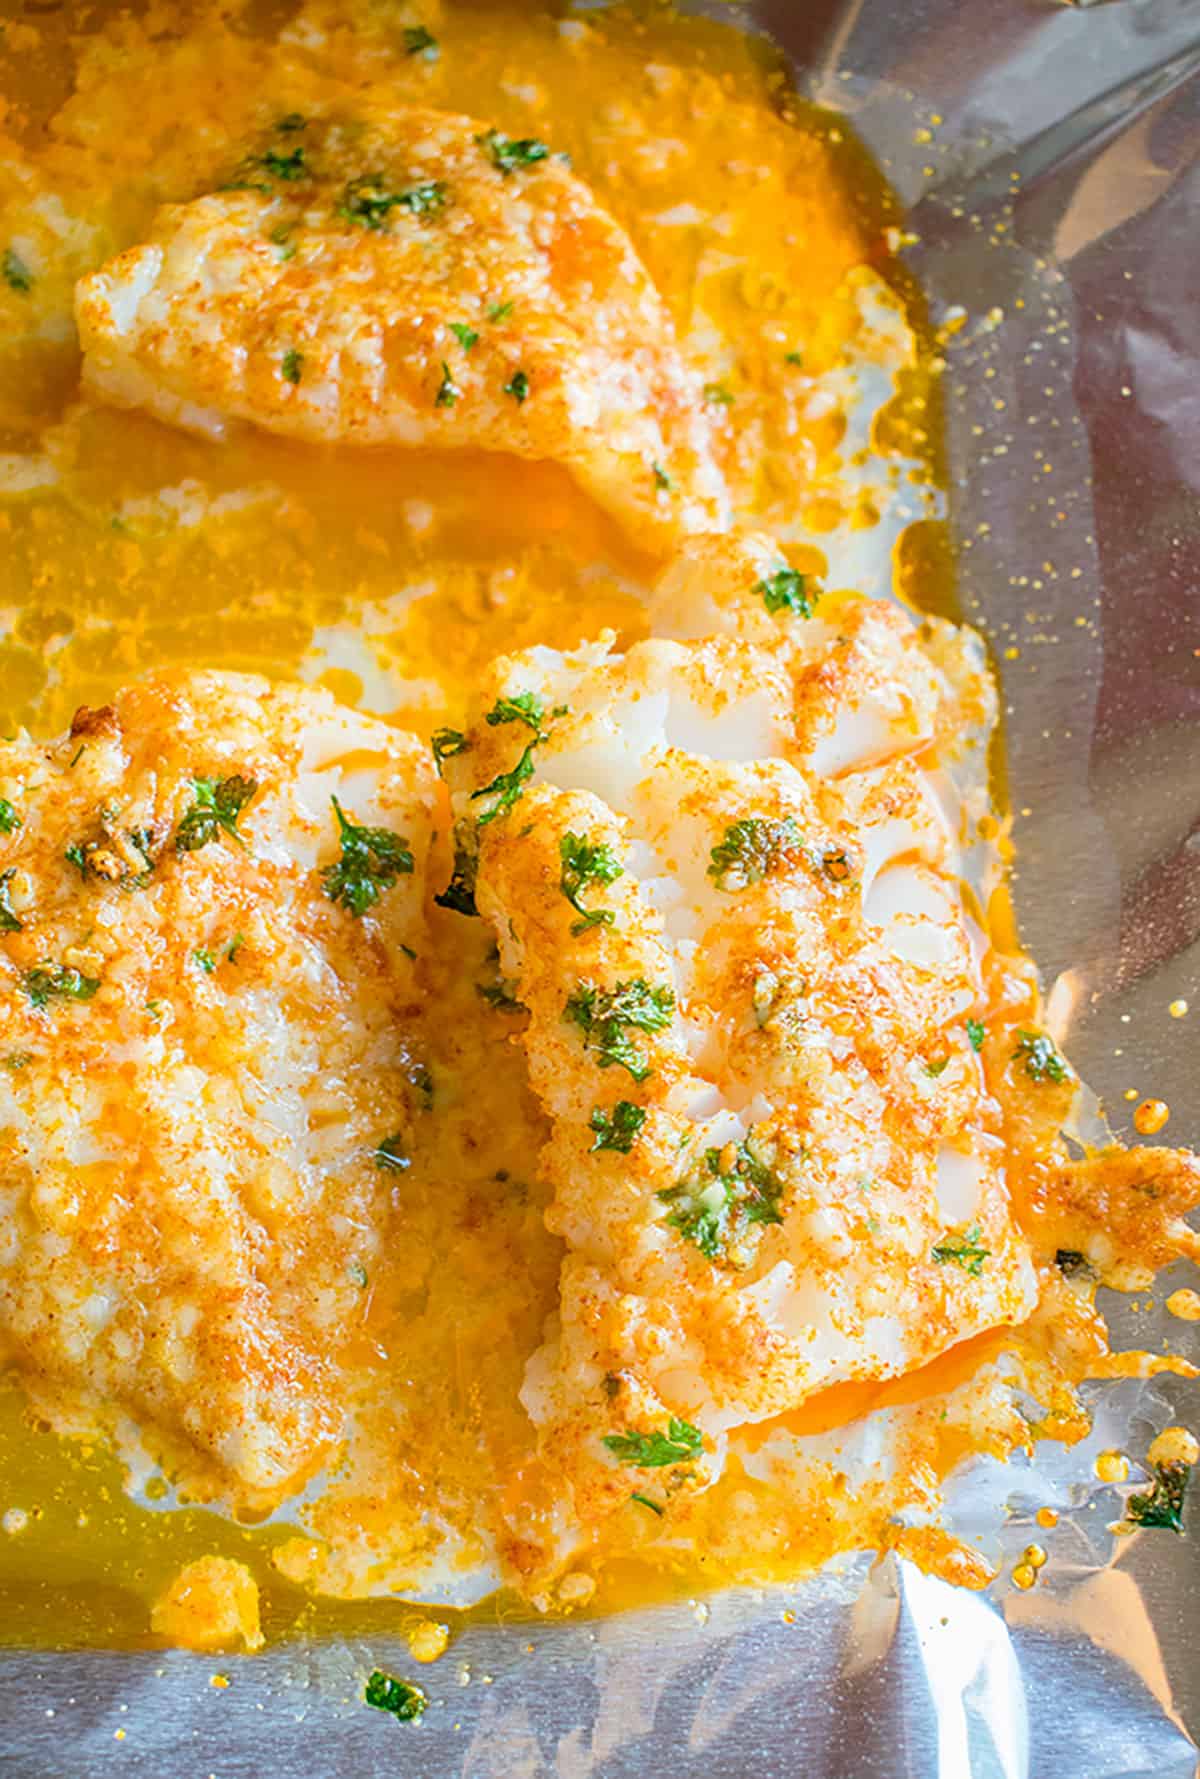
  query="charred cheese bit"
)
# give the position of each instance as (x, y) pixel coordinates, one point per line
(211, 1604)
(205, 983)
(775, 1160)
(413, 278)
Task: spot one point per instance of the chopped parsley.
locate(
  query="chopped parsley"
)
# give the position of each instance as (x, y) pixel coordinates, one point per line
(290, 166)
(607, 1017)
(518, 387)
(500, 311)
(466, 336)
(10, 821)
(654, 1451)
(617, 1129)
(662, 480)
(966, 1253)
(718, 395)
(235, 945)
(934, 1069)
(584, 863)
(366, 201)
(793, 358)
(976, 1031)
(522, 707)
(295, 120)
(356, 1272)
(448, 390)
(507, 787)
(48, 982)
(17, 274)
(508, 155)
(446, 743)
(390, 1155)
(1041, 1059)
(734, 1192)
(1162, 1508)
(10, 921)
(218, 804)
(420, 42)
(281, 237)
(752, 848)
(75, 855)
(498, 996)
(205, 961)
(372, 859)
(15, 1061)
(459, 893)
(292, 366)
(645, 1501)
(787, 590)
(401, 1698)
(1070, 1261)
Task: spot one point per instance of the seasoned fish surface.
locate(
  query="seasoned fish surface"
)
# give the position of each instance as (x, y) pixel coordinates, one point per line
(725, 884)
(412, 278)
(206, 976)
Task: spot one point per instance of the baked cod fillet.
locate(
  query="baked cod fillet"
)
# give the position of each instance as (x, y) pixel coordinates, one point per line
(210, 899)
(725, 882)
(411, 278)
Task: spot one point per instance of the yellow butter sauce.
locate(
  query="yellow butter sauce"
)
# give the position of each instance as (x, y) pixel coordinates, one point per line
(133, 546)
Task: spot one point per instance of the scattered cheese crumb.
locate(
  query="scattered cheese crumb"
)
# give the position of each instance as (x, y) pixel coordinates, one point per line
(211, 1604)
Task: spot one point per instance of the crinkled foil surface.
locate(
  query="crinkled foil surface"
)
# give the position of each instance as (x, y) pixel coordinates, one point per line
(1051, 159)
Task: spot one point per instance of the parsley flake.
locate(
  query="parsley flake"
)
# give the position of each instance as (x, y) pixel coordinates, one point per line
(586, 862)
(292, 366)
(654, 1451)
(1162, 1508)
(10, 821)
(390, 1155)
(518, 387)
(787, 590)
(966, 1253)
(976, 1031)
(401, 1698)
(459, 893)
(48, 982)
(1042, 1061)
(372, 859)
(617, 1129)
(218, 804)
(718, 395)
(17, 274)
(466, 336)
(752, 849)
(645, 1501)
(448, 390)
(508, 155)
(500, 311)
(366, 202)
(205, 961)
(662, 480)
(420, 42)
(446, 743)
(735, 1191)
(507, 787)
(10, 921)
(521, 707)
(607, 1016)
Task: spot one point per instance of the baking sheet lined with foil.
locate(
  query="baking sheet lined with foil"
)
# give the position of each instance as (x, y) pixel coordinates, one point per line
(1049, 160)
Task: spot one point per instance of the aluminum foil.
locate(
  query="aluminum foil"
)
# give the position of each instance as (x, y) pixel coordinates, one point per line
(1050, 156)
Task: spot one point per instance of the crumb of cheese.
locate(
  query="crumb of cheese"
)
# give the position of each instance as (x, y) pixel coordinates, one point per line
(211, 1604)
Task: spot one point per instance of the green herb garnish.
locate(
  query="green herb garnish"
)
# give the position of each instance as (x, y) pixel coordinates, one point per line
(508, 155)
(507, 787)
(466, 336)
(787, 590)
(518, 387)
(1041, 1059)
(718, 395)
(366, 201)
(500, 311)
(405, 1701)
(459, 893)
(390, 1155)
(372, 859)
(288, 167)
(75, 855)
(645, 1501)
(205, 960)
(420, 42)
(292, 366)
(976, 1032)
(48, 982)
(654, 1451)
(10, 921)
(10, 821)
(446, 743)
(448, 390)
(607, 1016)
(584, 863)
(218, 804)
(617, 1129)
(662, 480)
(521, 707)
(733, 1192)
(17, 274)
(1162, 1508)
(966, 1253)
(752, 848)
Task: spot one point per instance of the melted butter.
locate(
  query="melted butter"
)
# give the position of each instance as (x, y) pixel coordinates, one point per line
(153, 548)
